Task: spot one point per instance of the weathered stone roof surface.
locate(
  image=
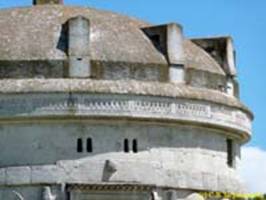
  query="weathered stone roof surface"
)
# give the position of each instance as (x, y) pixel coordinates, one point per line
(35, 33)
(120, 87)
(197, 58)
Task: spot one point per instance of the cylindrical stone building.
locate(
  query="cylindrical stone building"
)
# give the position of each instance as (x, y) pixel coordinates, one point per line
(99, 106)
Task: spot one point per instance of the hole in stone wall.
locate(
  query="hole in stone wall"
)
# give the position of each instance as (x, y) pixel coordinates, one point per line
(79, 59)
(135, 146)
(79, 145)
(89, 145)
(126, 146)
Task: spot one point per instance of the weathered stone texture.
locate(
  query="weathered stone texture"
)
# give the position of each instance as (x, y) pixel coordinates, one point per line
(120, 87)
(113, 38)
(95, 105)
(18, 175)
(2, 176)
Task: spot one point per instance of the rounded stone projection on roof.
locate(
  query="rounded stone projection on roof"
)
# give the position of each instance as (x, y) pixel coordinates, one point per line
(96, 105)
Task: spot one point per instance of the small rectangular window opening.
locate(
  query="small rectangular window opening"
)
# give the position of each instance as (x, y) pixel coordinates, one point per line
(89, 145)
(126, 146)
(135, 146)
(79, 145)
(230, 152)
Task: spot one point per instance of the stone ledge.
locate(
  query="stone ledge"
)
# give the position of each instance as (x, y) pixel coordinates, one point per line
(2, 176)
(18, 175)
(46, 174)
(69, 173)
(67, 105)
(119, 87)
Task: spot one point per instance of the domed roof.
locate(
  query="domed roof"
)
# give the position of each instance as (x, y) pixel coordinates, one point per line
(35, 33)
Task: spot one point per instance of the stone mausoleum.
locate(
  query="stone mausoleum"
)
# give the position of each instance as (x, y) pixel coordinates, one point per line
(99, 106)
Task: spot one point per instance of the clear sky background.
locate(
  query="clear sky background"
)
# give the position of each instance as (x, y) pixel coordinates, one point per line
(244, 20)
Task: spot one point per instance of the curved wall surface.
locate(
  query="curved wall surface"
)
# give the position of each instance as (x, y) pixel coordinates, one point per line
(99, 106)
(170, 154)
(88, 138)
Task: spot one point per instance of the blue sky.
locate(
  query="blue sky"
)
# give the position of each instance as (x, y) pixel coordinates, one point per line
(245, 21)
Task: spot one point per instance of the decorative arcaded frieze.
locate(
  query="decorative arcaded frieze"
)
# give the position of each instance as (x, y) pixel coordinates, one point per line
(128, 87)
(32, 105)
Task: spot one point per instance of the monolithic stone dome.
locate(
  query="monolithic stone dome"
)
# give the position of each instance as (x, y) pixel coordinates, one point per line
(95, 105)
(35, 34)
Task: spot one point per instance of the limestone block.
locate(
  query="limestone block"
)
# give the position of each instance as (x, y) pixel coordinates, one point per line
(18, 175)
(139, 171)
(83, 171)
(175, 47)
(2, 176)
(181, 178)
(47, 174)
(209, 181)
(194, 180)
(177, 74)
(78, 47)
(79, 67)
(224, 183)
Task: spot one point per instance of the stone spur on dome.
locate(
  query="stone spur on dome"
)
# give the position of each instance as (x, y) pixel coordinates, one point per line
(96, 105)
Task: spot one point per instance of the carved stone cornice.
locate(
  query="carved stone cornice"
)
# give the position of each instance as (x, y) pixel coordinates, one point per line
(129, 87)
(52, 105)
